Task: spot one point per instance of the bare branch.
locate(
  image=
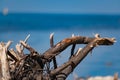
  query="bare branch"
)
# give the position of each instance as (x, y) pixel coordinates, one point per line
(81, 54)
(51, 40)
(52, 44)
(28, 47)
(33, 66)
(4, 63)
(8, 44)
(62, 45)
(26, 39)
(20, 48)
(13, 55)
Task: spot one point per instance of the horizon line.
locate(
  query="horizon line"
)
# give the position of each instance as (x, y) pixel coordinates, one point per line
(62, 13)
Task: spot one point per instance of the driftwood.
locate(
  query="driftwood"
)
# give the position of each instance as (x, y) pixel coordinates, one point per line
(16, 65)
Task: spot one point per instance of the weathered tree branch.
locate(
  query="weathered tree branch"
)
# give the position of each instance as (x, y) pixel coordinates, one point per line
(64, 70)
(33, 52)
(4, 63)
(52, 44)
(73, 48)
(26, 39)
(62, 45)
(20, 47)
(32, 66)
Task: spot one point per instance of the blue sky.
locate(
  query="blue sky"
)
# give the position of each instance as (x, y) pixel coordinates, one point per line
(62, 6)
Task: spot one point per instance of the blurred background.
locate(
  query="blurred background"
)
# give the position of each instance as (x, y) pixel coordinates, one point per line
(40, 18)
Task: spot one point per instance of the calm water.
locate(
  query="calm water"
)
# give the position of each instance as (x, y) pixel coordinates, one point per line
(103, 61)
(58, 21)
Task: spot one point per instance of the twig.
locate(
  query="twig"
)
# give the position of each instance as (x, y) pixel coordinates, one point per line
(20, 48)
(26, 39)
(33, 52)
(51, 40)
(73, 48)
(52, 44)
(13, 55)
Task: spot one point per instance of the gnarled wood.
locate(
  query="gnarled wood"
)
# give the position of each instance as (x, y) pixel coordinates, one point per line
(69, 66)
(21, 66)
(62, 45)
(4, 61)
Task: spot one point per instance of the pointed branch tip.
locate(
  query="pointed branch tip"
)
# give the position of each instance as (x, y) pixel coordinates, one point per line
(8, 44)
(51, 35)
(27, 38)
(97, 35)
(73, 35)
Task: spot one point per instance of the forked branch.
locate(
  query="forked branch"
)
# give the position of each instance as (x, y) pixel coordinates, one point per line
(33, 66)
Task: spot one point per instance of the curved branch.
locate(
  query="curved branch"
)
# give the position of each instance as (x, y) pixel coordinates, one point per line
(69, 66)
(62, 45)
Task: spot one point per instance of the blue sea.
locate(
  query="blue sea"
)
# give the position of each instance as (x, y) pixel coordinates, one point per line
(104, 60)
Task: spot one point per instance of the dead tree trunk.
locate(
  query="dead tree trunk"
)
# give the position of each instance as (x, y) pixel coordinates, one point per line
(16, 65)
(5, 73)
